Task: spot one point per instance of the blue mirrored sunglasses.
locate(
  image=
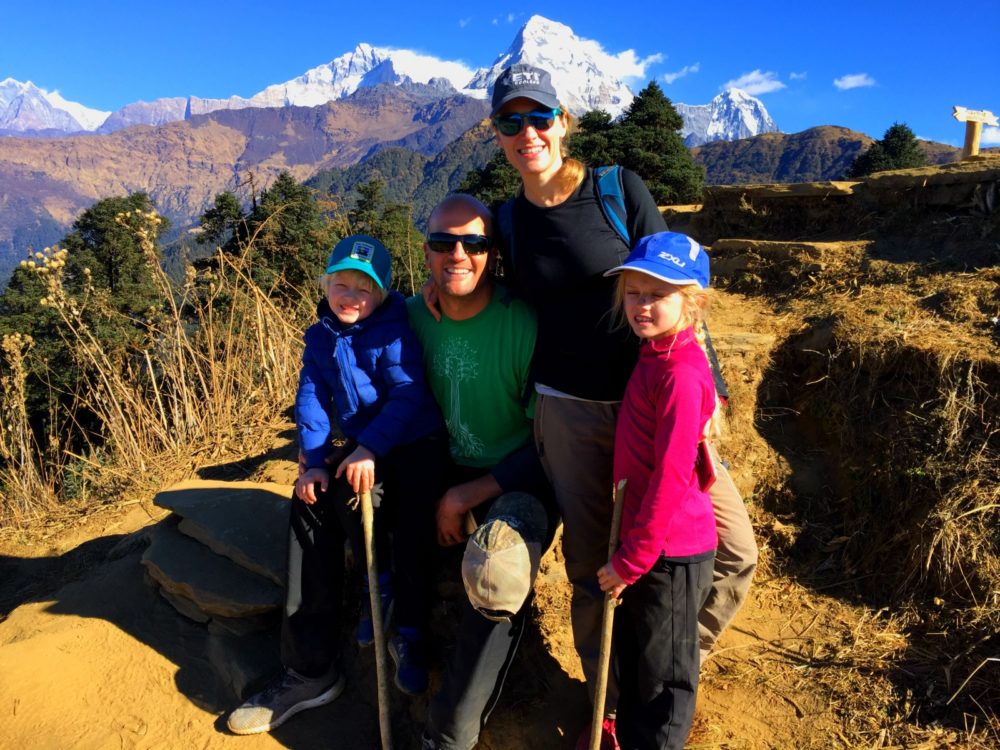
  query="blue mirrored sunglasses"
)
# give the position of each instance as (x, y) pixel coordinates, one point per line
(513, 123)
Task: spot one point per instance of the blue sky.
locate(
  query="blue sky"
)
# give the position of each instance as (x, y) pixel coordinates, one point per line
(862, 65)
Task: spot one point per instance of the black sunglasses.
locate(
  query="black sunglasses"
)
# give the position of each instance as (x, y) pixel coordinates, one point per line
(513, 123)
(444, 242)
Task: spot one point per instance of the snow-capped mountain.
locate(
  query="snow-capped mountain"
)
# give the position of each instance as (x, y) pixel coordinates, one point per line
(364, 67)
(576, 65)
(26, 108)
(732, 115)
(581, 73)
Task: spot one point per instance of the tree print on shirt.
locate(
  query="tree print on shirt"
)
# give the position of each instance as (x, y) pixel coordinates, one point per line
(456, 360)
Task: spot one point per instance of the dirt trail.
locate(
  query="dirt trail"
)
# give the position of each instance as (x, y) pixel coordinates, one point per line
(104, 662)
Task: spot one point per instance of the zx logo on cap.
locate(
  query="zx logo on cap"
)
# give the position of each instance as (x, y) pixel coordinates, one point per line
(673, 259)
(362, 251)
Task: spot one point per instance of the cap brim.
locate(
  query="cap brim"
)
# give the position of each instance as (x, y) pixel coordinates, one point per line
(355, 265)
(543, 98)
(655, 272)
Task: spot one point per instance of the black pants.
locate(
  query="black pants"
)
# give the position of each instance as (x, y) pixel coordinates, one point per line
(412, 478)
(656, 653)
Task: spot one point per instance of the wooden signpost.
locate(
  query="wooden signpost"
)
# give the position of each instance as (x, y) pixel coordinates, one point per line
(973, 119)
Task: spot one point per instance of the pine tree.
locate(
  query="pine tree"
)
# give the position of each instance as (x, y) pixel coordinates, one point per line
(291, 238)
(898, 149)
(647, 141)
(495, 183)
(392, 225)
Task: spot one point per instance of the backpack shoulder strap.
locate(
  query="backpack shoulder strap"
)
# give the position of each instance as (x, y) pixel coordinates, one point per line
(611, 196)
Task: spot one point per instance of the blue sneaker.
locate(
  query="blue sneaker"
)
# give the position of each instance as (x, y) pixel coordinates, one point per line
(410, 655)
(365, 633)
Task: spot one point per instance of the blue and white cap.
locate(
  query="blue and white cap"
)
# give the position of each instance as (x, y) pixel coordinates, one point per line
(362, 253)
(668, 256)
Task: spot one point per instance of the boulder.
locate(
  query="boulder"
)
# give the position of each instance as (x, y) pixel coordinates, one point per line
(186, 568)
(246, 522)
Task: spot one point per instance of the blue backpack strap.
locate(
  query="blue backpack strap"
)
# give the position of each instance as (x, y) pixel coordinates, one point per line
(505, 227)
(611, 195)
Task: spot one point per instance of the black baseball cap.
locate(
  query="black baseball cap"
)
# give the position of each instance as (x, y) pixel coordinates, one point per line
(527, 81)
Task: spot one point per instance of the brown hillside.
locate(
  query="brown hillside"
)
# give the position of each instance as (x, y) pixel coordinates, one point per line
(182, 165)
(821, 153)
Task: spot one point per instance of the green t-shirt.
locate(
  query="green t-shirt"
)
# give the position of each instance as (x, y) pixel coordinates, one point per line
(478, 371)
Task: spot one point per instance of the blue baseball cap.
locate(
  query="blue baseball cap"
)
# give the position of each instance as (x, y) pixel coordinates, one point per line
(668, 256)
(360, 252)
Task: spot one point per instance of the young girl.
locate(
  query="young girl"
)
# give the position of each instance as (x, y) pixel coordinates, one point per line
(663, 569)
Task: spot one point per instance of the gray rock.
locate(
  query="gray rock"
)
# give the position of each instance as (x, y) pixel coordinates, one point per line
(186, 568)
(239, 661)
(244, 521)
(183, 605)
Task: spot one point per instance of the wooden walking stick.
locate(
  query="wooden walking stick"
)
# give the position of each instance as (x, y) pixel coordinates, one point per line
(604, 657)
(367, 523)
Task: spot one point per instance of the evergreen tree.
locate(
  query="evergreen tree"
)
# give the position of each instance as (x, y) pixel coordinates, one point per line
(898, 149)
(107, 272)
(591, 142)
(392, 225)
(291, 238)
(495, 183)
(223, 224)
(647, 141)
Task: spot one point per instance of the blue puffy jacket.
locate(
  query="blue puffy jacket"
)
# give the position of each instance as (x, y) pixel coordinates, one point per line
(369, 378)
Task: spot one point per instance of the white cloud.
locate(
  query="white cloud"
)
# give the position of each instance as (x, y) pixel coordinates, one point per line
(798, 76)
(990, 137)
(463, 22)
(421, 68)
(853, 81)
(756, 83)
(511, 17)
(495, 21)
(671, 77)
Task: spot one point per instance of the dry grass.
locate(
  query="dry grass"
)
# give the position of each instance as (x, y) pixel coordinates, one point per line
(216, 359)
(890, 389)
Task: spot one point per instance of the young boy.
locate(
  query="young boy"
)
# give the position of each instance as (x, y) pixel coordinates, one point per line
(362, 369)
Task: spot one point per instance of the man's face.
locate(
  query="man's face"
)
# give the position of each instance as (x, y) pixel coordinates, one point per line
(457, 272)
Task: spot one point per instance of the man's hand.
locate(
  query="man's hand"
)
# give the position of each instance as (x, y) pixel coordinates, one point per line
(429, 292)
(610, 582)
(450, 519)
(305, 486)
(458, 501)
(358, 469)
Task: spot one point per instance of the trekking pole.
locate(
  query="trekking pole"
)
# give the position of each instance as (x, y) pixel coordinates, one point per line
(604, 657)
(367, 523)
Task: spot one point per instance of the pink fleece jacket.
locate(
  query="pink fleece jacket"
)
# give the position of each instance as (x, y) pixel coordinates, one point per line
(669, 399)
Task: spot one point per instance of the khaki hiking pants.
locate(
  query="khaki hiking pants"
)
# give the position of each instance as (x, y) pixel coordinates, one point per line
(576, 441)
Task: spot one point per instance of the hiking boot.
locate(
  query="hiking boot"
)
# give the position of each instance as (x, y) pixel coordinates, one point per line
(410, 655)
(286, 695)
(365, 633)
(608, 739)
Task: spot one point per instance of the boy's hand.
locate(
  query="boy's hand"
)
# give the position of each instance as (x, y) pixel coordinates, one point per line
(358, 469)
(610, 582)
(305, 486)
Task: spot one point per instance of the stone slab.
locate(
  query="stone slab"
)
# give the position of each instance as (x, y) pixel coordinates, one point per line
(246, 522)
(186, 568)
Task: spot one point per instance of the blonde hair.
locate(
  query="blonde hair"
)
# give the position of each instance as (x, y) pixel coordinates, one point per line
(693, 313)
(365, 281)
(571, 172)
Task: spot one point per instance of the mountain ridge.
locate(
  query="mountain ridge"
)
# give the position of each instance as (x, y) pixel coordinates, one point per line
(579, 69)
